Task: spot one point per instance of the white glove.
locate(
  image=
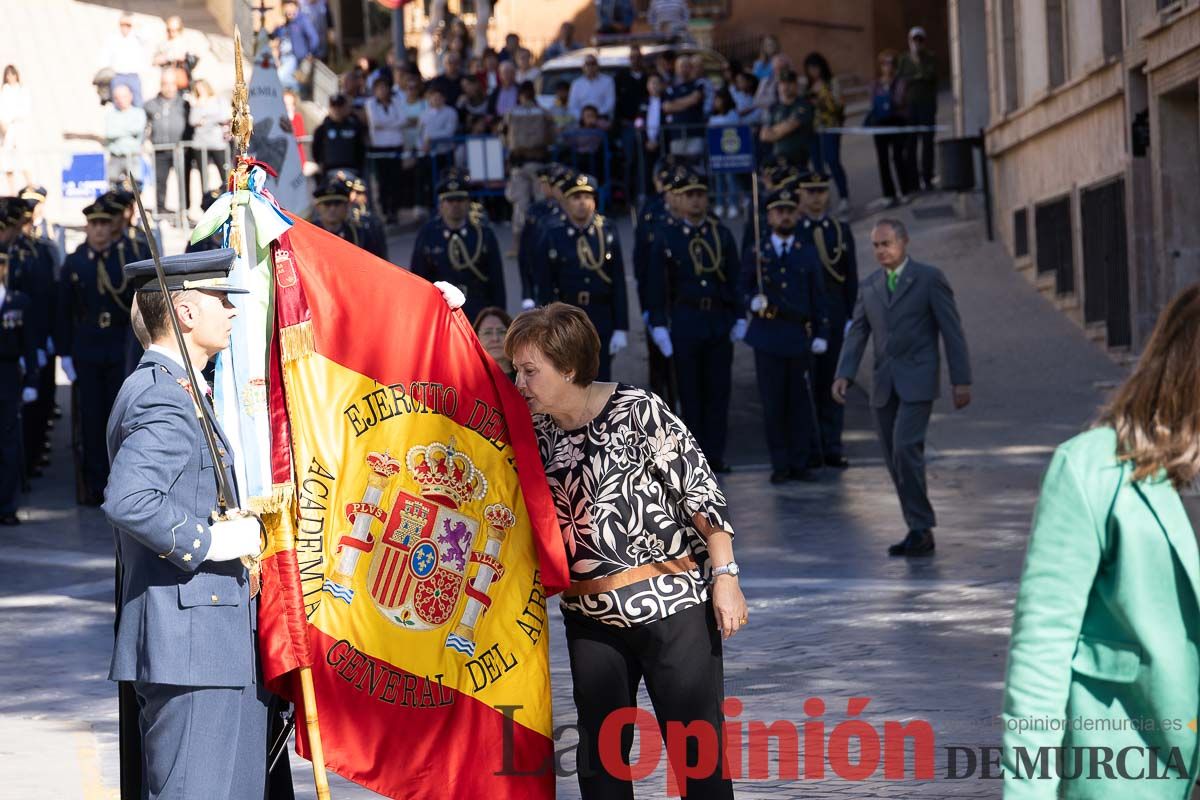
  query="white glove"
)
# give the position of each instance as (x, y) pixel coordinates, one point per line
(527, 304)
(68, 367)
(617, 343)
(41, 358)
(28, 395)
(645, 317)
(758, 303)
(662, 338)
(452, 294)
(846, 330)
(21, 362)
(234, 538)
(819, 346)
(739, 330)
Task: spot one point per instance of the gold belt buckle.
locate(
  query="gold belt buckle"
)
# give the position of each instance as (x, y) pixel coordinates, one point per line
(770, 312)
(583, 298)
(105, 319)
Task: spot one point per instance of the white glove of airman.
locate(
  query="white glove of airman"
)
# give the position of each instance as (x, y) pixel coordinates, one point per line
(662, 339)
(819, 346)
(617, 343)
(234, 538)
(452, 294)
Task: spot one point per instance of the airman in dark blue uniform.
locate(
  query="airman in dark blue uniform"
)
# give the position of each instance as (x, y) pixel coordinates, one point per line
(788, 325)
(834, 242)
(460, 248)
(546, 205)
(333, 213)
(694, 298)
(376, 234)
(18, 386)
(773, 176)
(579, 262)
(136, 238)
(93, 337)
(656, 211)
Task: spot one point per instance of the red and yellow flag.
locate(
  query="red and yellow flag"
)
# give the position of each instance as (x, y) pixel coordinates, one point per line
(425, 540)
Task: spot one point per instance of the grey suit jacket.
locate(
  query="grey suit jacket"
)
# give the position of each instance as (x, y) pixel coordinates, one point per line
(182, 621)
(905, 329)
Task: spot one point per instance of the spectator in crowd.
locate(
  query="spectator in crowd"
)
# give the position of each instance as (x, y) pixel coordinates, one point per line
(650, 121)
(504, 97)
(16, 116)
(529, 134)
(449, 83)
(614, 16)
(173, 53)
(490, 75)
(209, 118)
(668, 17)
(439, 123)
(697, 73)
(386, 69)
(919, 71)
(560, 109)
(321, 17)
(412, 106)
(764, 67)
(291, 106)
(768, 88)
(563, 44)
(168, 115)
(298, 45)
(631, 98)
(789, 123)
(526, 69)
(475, 70)
(491, 324)
(473, 107)
(354, 87)
(340, 141)
(586, 143)
(728, 195)
(512, 44)
(126, 56)
(745, 85)
(593, 88)
(829, 111)
(664, 64)
(887, 110)
(684, 107)
(386, 124)
(124, 133)
(460, 38)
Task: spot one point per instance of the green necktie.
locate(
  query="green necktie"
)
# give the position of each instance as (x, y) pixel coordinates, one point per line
(892, 279)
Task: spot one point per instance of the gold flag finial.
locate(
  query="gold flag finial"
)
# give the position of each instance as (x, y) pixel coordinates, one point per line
(241, 124)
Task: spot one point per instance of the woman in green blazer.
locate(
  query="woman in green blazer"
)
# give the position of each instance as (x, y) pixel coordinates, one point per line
(1103, 662)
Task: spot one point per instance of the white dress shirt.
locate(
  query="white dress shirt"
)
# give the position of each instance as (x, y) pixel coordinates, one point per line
(781, 245)
(600, 92)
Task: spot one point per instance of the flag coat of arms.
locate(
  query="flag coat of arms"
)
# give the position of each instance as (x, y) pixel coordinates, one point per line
(411, 561)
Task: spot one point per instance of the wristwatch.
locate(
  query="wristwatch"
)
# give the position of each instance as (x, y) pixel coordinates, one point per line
(729, 569)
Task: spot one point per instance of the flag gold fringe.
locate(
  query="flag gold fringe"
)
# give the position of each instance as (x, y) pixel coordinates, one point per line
(281, 495)
(296, 341)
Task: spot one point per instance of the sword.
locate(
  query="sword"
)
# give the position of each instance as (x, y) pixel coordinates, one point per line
(206, 421)
(757, 242)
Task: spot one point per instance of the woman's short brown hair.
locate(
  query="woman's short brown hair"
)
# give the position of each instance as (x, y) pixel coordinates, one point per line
(492, 311)
(1156, 411)
(563, 334)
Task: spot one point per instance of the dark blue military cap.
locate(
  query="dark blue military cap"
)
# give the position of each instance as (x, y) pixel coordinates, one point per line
(813, 179)
(38, 194)
(352, 181)
(206, 271)
(664, 168)
(686, 180)
(564, 177)
(581, 183)
(99, 210)
(781, 198)
(454, 185)
(334, 190)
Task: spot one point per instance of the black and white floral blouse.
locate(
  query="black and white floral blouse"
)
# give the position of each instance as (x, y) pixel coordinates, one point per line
(626, 487)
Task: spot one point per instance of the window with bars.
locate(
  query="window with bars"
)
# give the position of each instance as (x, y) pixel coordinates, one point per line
(1052, 223)
(1056, 55)
(1021, 233)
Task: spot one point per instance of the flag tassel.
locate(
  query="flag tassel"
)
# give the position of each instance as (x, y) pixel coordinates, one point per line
(296, 341)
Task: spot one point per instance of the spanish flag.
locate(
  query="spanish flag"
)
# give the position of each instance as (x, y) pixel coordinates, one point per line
(417, 544)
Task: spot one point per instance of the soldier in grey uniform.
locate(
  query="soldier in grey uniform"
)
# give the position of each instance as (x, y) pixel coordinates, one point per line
(185, 633)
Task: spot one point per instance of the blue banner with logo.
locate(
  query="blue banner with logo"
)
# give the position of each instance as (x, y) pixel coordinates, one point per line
(84, 176)
(730, 149)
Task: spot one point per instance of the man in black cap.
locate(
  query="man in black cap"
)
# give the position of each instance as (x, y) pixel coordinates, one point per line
(93, 337)
(332, 200)
(789, 124)
(460, 248)
(359, 212)
(136, 245)
(18, 386)
(185, 621)
(579, 262)
(696, 312)
(340, 141)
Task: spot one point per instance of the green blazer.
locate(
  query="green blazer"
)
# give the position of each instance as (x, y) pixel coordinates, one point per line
(1105, 632)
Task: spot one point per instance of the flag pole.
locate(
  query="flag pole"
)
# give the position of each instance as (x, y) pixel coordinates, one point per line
(241, 127)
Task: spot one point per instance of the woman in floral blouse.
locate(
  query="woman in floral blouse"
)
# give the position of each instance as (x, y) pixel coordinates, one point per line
(645, 527)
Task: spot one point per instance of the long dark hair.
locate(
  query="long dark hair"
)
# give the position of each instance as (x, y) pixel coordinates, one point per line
(1156, 411)
(817, 60)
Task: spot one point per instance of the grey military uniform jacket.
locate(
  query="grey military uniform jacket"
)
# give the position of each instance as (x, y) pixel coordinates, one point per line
(905, 326)
(183, 621)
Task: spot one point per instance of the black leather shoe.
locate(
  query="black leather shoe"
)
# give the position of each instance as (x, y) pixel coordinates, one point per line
(837, 462)
(916, 544)
(805, 475)
(720, 467)
(9, 519)
(780, 476)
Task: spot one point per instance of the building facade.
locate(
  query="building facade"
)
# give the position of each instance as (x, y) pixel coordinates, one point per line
(1093, 134)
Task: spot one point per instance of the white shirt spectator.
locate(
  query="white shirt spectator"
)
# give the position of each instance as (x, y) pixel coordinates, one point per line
(654, 117)
(600, 92)
(411, 112)
(386, 123)
(437, 123)
(125, 54)
(668, 16)
(533, 74)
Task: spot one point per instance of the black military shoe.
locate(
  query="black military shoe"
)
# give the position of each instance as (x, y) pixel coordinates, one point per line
(780, 476)
(805, 475)
(837, 462)
(916, 544)
(9, 519)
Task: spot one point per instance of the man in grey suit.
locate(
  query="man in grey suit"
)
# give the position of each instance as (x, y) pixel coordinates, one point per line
(904, 307)
(185, 635)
